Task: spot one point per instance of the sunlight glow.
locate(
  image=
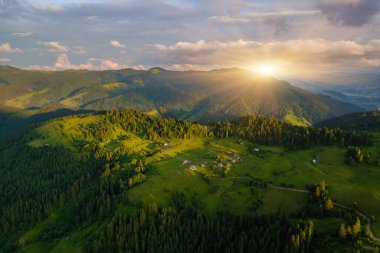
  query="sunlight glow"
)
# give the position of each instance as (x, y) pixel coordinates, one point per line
(265, 69)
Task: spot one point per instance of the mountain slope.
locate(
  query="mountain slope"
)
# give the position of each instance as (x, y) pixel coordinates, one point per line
(361, 89)
(195, 95)
(358, 121)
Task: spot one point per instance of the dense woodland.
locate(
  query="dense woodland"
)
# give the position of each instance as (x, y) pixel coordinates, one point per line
(67, 190)
(186, 227)
(268, 131)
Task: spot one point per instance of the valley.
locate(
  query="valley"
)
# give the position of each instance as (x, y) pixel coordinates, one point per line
(146, 160)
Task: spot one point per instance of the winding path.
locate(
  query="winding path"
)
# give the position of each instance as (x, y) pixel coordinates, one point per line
(362, 215)
(336, 204)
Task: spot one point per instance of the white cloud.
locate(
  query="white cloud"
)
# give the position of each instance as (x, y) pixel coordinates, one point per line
(253, 16)
(117, 44)
(108, 64)
(296, 54)
(63, 62)
(54, 46)
(6, 48)
(4, 59)
(229, 19)
(23, 34)
(287, 13)
(38, 67)
(49, 7)
(139, 67)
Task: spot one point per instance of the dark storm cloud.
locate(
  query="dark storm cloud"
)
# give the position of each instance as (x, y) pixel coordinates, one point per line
(349, 12)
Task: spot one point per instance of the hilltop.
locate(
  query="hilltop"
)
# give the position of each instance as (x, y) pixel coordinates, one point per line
(193, 95)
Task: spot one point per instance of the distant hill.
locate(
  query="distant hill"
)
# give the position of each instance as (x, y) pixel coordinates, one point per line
(361, 89)
(357, 121)
(193, 95)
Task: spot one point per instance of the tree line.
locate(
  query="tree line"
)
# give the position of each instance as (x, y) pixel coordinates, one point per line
(269, 131)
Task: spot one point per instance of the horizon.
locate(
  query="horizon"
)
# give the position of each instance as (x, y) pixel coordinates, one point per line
(315, 36)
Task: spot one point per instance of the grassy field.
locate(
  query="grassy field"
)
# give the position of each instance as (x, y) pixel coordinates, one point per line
(231, 192)
(358, 183)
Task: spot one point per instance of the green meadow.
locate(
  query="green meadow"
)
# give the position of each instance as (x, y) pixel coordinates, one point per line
(352, 185)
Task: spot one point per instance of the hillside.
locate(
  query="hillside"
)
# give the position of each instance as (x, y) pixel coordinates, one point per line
(361, 89)
(201, 96)
(359, 121)
(127, 181)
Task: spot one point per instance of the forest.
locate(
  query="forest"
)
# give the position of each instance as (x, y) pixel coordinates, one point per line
(57, 191)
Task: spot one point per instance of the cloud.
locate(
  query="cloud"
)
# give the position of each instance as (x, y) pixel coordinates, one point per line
(54, 46)
(78, 50)
(229, 19)
(349, 12)
(4, 59)
(23, 34)
(281, 25)
(38, 67)
(64, 63)
(108, 64)
(6, 48)
(287, 13)
(117, 44)
(308, 53)
(48, 7)
(8, 7)
(234, 10)
(236, 18)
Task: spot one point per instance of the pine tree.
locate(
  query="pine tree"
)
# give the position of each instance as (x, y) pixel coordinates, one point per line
(317, 191)
(323, 186)
(342, 231)
(329, 204)
(356, 228)
(349, 231)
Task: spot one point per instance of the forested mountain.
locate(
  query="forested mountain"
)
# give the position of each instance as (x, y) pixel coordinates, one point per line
(193, 95)
(126, 181)
(361, 89)
(359, 121)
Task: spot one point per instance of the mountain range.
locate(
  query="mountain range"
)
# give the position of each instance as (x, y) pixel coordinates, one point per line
(361, 89)
(193, 95)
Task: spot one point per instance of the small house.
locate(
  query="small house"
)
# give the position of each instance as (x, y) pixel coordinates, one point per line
(185, 162)
(314, 161)
(256, 149)
(192, 167)
(220, 165)
(203, 165)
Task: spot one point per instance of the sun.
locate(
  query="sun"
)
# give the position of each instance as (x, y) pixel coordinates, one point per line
(265, 69)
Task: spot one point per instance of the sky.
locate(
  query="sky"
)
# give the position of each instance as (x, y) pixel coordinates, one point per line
(297, 37)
